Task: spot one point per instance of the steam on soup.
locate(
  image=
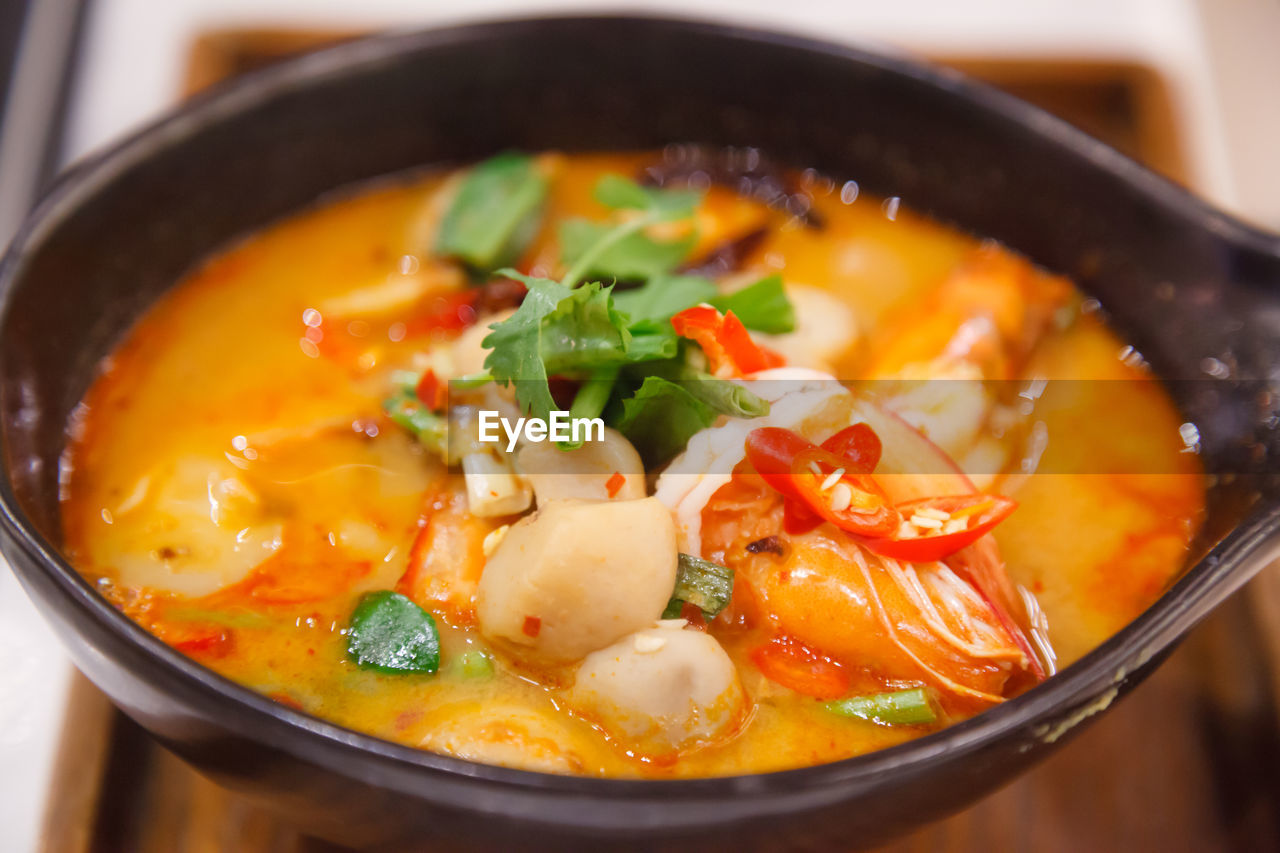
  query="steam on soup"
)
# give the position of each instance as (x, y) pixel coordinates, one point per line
(306, 467)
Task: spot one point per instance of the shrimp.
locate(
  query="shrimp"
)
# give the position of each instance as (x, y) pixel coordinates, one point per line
(948, 624)
(447, 556)
(989, 313)
(979, 326)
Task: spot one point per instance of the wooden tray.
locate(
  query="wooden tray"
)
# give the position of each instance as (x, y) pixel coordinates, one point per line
(1190, 761)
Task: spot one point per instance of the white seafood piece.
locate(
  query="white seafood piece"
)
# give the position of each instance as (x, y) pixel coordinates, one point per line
(577, 575)
(663, 688)
(201, 527)
(585, 472)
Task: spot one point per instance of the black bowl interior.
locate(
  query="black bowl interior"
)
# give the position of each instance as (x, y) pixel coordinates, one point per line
(1183, 283)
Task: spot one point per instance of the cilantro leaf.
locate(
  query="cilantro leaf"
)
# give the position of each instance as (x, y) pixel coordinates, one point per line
(623, 250)
(516, 345)
(585, 331)
(632, 255)
(619, 193)
(662, 297)
(558, 330)
(496, 212)
(660, 418)
(724, 397)
(762, 307)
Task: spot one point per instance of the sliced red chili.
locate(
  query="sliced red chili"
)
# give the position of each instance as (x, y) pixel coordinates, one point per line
(746, 355)
(772, 452)
(794, 665)
(775, 454)
(726, 342)
(859, 444)
(797, 518)
(433, 393)
(981, 512)
(854, 503)
(615, 483)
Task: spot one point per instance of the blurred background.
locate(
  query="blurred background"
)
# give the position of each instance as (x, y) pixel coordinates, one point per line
(1189, 87)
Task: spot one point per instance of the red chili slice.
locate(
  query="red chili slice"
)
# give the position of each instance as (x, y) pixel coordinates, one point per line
(794, 665)
(797, 518)
(433, 393)
(867, 512)
(983, 511)
(859, 444)
(772, 451)
(726, 342)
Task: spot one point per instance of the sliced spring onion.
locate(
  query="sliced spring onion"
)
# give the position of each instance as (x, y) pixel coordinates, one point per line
(475, 664)
(496, 213)
(391, 634)
(902, 707)
(471, 380)
(431, 429)
(706, 585)
(591, 398)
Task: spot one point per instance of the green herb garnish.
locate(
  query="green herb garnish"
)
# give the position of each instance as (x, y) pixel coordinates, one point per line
(475, 664)
(903, 707)
(662, 297)
(391, 634)
(496, 213)
(626, 256)
(622, 250)
(620, 346)
(706, 585)
(430, 428)
(762, 307)
(660, 418)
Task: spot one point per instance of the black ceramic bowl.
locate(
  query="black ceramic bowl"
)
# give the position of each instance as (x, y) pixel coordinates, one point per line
(1181, 281)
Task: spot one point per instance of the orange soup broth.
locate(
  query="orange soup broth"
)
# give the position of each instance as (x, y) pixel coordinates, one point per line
(224, 386)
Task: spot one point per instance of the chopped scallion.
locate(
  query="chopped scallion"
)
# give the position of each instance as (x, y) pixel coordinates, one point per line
(428, 427)
(902, 707)
(475, 664)
(706, 585)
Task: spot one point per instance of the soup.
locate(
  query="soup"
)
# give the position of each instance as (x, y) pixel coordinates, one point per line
(661, 465)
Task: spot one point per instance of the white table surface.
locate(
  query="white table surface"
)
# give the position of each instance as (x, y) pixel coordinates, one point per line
(132, 68)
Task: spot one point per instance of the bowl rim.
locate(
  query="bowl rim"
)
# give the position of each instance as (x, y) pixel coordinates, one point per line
(1046, 713)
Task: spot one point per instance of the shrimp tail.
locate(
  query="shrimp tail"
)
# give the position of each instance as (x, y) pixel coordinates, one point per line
(980, 565)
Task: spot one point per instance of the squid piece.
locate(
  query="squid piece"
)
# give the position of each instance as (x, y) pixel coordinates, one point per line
(190, 526)
(597, 471)
(507, 734)
(661, 690)
(576, 576)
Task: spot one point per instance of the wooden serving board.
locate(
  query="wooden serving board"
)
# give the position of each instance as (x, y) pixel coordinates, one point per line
(1190, 761)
